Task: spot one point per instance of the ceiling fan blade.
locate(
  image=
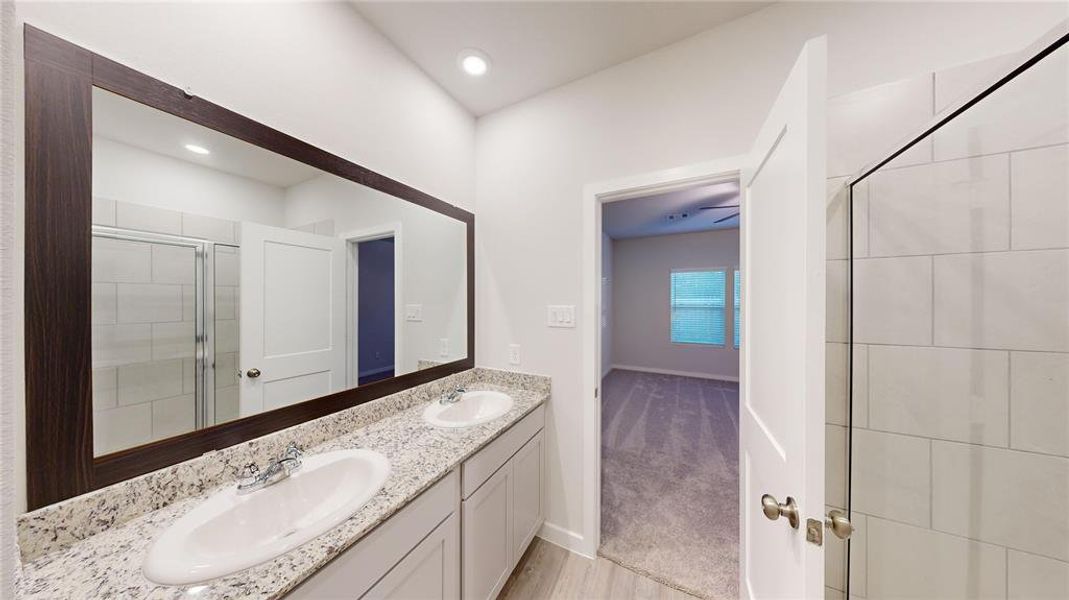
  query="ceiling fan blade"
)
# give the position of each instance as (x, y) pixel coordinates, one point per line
(731, 216)
(721, 206)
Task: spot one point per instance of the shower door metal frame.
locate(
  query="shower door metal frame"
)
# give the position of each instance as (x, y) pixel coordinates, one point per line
(204, 310)
(1019, 63)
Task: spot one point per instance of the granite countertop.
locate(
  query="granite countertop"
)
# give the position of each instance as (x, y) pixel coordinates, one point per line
(108, 564)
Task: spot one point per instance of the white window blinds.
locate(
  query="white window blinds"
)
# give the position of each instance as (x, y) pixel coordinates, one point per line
(699, 300)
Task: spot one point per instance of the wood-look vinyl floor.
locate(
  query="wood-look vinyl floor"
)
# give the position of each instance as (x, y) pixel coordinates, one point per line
(547, 571)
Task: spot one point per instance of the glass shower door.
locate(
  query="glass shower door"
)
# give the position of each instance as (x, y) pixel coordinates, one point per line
(959, 351)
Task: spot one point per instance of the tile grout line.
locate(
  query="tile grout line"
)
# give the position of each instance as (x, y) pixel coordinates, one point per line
(958, 536)
(938, 161)
(946, 347)
(958, 253)
(918, 436)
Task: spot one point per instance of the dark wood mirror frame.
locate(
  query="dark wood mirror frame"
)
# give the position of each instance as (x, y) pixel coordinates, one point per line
(59, 80)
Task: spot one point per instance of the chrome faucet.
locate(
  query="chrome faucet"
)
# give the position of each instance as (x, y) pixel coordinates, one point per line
(453, 397)
(252, 478)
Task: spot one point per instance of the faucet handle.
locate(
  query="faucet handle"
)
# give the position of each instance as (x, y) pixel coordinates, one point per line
(249, 472)
(293, 451)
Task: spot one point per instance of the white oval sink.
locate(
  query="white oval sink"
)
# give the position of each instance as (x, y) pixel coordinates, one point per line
(229, 532)
(473, 408)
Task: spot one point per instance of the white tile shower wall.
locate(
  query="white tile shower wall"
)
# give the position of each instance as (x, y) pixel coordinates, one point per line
(961, 355)
(1039, 417)
(1028, 112)
(144, 323)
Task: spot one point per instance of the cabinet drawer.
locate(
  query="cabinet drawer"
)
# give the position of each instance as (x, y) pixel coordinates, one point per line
(480, 467)
(356, 570)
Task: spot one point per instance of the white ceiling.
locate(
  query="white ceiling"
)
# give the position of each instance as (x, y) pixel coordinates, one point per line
(648, 215)
(536, 46)
(123, 120)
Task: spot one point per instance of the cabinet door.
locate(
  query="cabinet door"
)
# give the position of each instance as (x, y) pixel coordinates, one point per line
(487, 537)
(528, 506)
(431, 571)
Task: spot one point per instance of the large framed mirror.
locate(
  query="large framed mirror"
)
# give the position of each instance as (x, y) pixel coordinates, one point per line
(195, 279)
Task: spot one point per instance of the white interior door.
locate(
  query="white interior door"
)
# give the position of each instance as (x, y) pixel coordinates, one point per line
(293, 322)
(782, 413)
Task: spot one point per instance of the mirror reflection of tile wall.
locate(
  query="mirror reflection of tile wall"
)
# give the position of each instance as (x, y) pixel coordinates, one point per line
(174, 287)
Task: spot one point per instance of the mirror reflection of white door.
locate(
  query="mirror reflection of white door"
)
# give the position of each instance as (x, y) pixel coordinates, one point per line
(783, 298)
(293, 325)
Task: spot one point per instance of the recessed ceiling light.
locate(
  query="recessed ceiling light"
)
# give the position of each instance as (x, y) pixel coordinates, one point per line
(473, 62)
(195, 149)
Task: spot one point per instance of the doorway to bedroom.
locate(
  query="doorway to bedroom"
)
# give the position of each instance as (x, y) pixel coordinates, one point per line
(669, 385)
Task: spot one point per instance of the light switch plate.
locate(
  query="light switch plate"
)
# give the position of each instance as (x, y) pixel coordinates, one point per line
(414, 312)
(443, 347)
(560, 315)
(514, 354)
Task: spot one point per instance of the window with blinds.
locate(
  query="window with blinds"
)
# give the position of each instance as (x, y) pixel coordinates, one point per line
(738, 321)
(699, 300)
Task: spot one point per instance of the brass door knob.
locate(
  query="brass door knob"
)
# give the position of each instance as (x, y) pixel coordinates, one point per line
(253, 373)
(774, 510)
(839, 524)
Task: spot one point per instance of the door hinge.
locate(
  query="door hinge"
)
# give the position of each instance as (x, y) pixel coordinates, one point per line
(595, 392)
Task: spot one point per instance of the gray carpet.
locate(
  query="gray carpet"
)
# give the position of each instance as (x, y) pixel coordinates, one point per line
(670, 480)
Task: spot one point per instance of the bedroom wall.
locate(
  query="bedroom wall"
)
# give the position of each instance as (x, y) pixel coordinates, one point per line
(641, 318)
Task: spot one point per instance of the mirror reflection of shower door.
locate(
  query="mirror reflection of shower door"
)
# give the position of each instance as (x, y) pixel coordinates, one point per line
(151, 370)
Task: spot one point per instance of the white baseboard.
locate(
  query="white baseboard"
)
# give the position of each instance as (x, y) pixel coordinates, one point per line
(565, 538)
(680, 373)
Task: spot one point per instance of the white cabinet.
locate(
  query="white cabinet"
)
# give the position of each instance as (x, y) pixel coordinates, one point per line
(487, 543)
(505, 509)
(528, 503)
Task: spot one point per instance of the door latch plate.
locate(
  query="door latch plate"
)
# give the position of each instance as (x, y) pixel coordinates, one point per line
(814, 532)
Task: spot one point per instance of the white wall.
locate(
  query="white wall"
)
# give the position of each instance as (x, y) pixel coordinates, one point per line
(433, 258)
(696, 100)
(9, 304)
(127, 174)
(641, 322)
(316, 71)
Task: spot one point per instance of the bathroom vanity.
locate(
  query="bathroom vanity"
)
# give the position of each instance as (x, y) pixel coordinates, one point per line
(454, 516)
(459, 539)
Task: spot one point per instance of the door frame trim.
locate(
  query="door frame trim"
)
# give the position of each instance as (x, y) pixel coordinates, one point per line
(587, 541)
(352, 241)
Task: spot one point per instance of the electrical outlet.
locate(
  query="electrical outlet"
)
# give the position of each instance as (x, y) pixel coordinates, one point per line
(414, 312)
(443, 347)
(514, 354)
(560, 315)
